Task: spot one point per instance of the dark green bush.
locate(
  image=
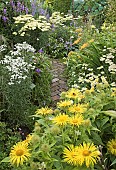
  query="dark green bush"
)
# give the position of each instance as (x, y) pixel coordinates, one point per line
(61, 5)
(8, 137)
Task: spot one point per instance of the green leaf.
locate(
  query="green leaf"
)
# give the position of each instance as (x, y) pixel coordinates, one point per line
(97, 138)
(94, 128)
(104, 121)
(32, 86)
(114, 162)
(110, 113)
(2, 110)
(7, 159)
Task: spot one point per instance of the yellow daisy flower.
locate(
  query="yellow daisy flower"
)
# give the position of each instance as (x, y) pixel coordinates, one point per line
(76, 120)
(113, 94)
(79, 30)
(80, 108)
(77, 41)
(44, 111)
(80, 34)
(64, 103)
(88, 92)
(84, 46)
(61, 119)
(71, 53)
(19, 154)
(27, 140)
(73, 93)
(88, 154)
(70, 155)
(112, 146)
(92, 40)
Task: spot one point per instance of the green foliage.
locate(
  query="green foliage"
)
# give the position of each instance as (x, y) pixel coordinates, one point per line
(8, 137)
(111, 11)
(60, 6)
(92, 8)
(60, 42)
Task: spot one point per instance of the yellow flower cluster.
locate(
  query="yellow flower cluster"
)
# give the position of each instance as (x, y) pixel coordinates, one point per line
(58, 19)
(64, 103)
(64, 119)
(44, 111)
(77, 41)
(86, 154)
(31, 24)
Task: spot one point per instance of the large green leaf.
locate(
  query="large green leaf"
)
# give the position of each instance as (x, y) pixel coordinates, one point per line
(7, 159)
(110, 113)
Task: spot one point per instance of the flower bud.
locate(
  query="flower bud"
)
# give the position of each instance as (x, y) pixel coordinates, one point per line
(35, 139)
(55, 130)
(45, 148)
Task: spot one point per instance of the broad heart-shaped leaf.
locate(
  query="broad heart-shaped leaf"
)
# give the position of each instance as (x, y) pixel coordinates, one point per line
(7, 159)
(110, 113)
(114, 162)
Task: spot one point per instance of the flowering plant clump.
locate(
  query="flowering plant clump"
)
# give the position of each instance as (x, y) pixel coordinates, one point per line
(17, 66)
(23, 72)
(31, 24)
(10, 9)
(79, 133)
(26, 27)
(92, 60)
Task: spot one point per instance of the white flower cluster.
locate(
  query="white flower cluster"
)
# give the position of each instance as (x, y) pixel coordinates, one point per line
(109, 60)
(90, 77)
(16, 65)
(86, 77)
(2, 48)
(24, 46)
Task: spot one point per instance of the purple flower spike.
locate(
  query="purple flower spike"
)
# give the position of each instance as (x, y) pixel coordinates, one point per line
(22, 7)
(47, 16)
(4, 18)
(12, 4)
(4, 11)
(18, 4)
(41, 50)
(26, 10)
(38, 70)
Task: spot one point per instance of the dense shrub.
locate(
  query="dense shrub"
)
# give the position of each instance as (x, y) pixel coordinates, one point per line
(92, 9)
(111, 11)
(60, 6)
(8, 137)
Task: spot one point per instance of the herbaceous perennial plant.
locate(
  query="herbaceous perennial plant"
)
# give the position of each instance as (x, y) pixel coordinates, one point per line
(78, 134)
(24, 75)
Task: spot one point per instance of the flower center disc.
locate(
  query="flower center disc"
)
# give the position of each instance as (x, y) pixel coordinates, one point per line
(74, 94)
(114, 146)
(75, 121)
(19, 152)
(86, 153)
